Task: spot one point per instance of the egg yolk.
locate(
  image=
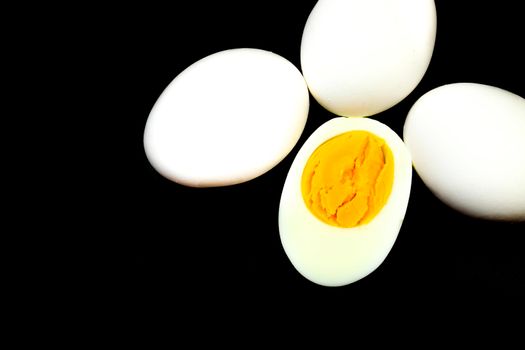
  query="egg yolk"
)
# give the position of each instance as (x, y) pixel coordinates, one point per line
(347, 179)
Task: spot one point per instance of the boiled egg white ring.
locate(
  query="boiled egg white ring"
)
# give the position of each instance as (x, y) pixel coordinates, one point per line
(335, 256)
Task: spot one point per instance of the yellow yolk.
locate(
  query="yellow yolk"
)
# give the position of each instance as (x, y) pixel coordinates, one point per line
(347, 179)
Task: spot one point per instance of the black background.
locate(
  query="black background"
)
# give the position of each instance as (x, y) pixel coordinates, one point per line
(160, 240)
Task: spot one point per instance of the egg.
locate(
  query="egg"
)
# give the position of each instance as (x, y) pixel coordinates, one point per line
(468, 146)
(361, 57)
(344, 200)
(227, 118)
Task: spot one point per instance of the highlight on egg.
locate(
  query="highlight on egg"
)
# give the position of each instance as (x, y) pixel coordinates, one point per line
(467, 143)
(344, 200)
(361, 57)
(227, 118)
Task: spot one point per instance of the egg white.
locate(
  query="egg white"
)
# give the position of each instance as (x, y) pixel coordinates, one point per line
(467, 142)
(361, 57)
(227, 118)
(335, 256)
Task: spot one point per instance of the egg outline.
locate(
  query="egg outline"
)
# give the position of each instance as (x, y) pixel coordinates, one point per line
(455, 183)
(330, 246)
(370, 73)
(169, 158)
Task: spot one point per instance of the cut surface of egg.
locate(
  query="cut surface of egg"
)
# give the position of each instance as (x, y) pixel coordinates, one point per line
(344, 200)
(227, 118)
(468, 146)
(361, 57)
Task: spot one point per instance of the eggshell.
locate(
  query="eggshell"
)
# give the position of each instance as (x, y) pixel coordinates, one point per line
(468, 146)
(227, 118)
(361, 57)
(330, 255)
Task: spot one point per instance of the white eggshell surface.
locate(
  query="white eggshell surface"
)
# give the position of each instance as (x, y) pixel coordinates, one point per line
(330, 255)
(468, 146)
(361, 57)
(227, 118)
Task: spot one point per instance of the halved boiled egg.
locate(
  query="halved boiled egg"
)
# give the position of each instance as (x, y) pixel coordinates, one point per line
(344, 200)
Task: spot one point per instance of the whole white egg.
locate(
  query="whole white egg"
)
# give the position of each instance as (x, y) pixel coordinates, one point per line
(361, 57)
(468, 146)
(227, 118)
(328, 251)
